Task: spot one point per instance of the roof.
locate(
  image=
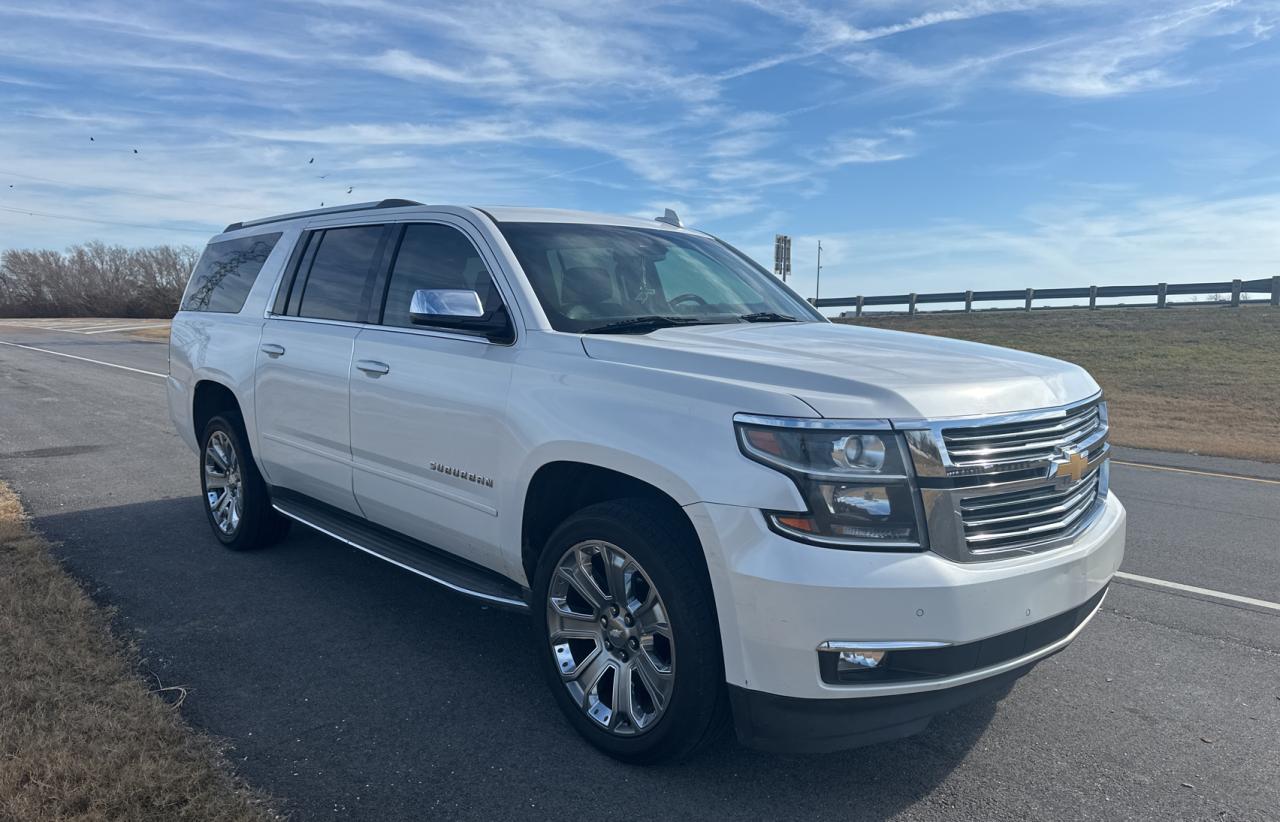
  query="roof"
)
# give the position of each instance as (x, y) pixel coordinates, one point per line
(316, 212)
(518, 214)
(501, 214)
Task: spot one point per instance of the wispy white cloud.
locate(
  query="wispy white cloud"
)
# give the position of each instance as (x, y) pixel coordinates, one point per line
(403, 64)
(830, 29)
(853, 149)
(1131, 61)
(453, 133)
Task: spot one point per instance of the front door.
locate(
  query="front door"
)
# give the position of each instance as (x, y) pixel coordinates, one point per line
(428, 404)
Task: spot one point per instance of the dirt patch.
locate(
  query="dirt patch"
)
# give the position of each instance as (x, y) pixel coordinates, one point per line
(82, 736)
(1191, 380)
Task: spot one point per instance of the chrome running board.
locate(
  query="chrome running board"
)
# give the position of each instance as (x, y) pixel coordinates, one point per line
(424, 560)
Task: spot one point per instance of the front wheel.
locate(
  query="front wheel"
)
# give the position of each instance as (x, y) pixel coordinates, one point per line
(235, 495)
(629, 639)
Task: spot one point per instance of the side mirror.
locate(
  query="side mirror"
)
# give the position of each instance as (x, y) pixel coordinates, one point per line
(431, 305)
(461, 310)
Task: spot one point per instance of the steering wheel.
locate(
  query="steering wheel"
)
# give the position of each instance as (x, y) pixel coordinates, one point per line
(689, 298)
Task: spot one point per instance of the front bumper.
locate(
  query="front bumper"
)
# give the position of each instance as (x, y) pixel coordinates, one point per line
(783, 724)
(789, 725)
(778, 600)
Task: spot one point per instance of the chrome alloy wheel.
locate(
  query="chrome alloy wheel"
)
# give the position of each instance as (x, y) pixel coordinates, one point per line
(611, 638)
(223, 482)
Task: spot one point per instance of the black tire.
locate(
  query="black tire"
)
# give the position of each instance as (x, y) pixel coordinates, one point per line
(259, 525)
(697, 710)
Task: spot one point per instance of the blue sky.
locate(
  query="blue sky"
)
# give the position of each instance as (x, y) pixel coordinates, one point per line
(929, 145)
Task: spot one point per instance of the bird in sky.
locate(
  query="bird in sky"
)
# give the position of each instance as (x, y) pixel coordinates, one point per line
(91, 139)
(349, 189)
(322, 176)
(135, 151)
(312, 160)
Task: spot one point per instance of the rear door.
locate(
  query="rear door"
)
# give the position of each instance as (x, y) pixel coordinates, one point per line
(304, 361)
(428, 404)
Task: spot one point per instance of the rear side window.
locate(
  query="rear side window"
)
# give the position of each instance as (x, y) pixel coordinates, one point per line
(226, 272)
(341, 269)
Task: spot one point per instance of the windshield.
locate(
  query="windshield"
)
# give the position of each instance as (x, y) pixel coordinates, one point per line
(600, 278)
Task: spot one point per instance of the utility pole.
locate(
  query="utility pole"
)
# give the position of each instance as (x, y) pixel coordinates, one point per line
(817, 286)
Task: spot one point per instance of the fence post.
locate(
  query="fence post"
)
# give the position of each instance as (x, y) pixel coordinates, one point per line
(1031, 293)
(1162, 291)
(1275, 290)
(911, 304)
(968, 300)
(1093, 298)
(858, 311)
(1235, 293)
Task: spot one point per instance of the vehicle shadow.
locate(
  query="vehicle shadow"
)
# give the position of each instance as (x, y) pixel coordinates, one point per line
(346, 684)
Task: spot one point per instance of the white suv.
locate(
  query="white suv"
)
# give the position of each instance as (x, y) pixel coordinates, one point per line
(716, 505)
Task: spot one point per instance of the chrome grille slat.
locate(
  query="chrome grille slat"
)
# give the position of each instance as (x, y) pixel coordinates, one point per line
(1038, 496)
(1031, 531)
(1055, 429)
(980, 529)
(1032, 445)
(973, 446)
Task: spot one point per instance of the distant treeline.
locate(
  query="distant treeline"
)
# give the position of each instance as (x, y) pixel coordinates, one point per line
(95, 280)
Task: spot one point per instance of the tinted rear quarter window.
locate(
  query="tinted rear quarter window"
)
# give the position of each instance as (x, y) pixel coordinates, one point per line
(335, 288)
(226, 272)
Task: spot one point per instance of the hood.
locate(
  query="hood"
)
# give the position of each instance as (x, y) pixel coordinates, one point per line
(854, 372)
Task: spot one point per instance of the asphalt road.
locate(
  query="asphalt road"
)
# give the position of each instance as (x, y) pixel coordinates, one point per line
(353, 690)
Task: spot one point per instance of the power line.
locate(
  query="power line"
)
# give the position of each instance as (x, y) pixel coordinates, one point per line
(30, 213)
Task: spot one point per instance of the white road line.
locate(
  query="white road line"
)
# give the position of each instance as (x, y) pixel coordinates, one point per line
(85, 359)
(1191, 589)
(125, 328)
(84, 329)
(20, 324)
(1198, 473)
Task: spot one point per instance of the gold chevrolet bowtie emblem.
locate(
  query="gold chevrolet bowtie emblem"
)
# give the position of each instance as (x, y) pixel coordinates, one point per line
(1073, 467)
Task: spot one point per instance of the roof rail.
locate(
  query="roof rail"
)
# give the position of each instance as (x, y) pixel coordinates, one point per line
(315, 212)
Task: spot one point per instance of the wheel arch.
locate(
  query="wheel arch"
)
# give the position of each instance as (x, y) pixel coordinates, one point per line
(208, 399)
(558, 488)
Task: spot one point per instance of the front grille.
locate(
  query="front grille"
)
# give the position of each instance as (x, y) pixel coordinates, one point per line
(1017, 483)
(1002, 522)
(1009, 445)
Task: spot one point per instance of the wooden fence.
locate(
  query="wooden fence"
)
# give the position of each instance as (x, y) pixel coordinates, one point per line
(1238, 289)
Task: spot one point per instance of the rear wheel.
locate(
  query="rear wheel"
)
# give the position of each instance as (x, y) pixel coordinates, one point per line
(628, 637)
(235, 495)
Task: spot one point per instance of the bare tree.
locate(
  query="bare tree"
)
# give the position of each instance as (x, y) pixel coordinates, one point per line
(94, 280)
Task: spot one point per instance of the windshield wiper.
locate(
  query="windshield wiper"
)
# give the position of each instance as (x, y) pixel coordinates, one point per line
(767, 317)
(642, 325)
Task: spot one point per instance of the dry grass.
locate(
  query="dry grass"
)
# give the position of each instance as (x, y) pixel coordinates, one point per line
(82, 737)
(160, 333)
(1193, 380)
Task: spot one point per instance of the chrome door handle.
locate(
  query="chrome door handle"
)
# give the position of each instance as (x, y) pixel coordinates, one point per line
(373, 368)
(271, 349)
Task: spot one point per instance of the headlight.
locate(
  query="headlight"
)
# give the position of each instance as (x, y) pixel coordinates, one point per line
(857, 483)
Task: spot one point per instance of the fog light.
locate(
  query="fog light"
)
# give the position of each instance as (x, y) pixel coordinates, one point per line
(858, 659)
